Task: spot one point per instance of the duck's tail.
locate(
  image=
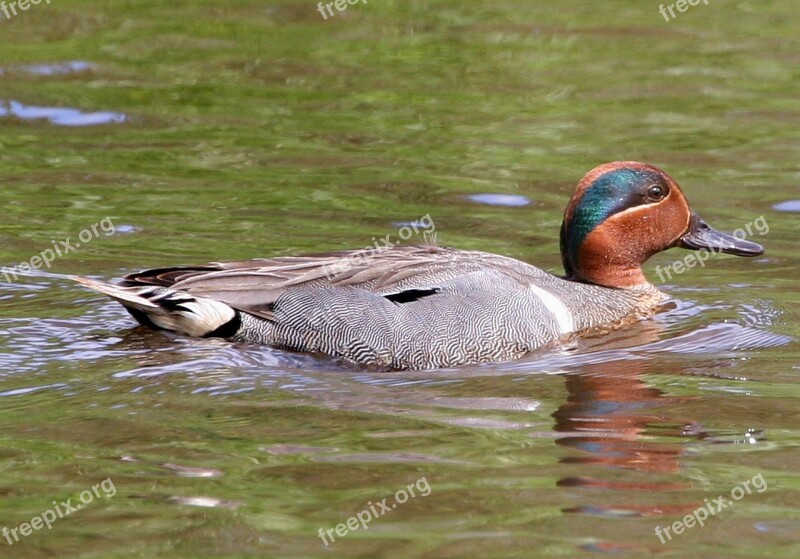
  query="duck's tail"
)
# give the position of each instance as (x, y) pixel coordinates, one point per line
(169, 309)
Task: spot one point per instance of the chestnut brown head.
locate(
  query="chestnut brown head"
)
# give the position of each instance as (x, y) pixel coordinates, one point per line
(624, 212)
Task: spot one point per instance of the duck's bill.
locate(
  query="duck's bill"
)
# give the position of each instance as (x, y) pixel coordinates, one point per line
(701, 235)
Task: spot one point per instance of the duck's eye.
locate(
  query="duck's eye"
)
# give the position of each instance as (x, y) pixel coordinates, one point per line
(656, 192)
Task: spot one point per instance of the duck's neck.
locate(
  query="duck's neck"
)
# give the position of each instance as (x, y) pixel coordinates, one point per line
(616, 276)
(609, 268)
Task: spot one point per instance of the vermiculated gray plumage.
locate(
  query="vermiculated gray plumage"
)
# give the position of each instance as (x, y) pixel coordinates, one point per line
(413, 307)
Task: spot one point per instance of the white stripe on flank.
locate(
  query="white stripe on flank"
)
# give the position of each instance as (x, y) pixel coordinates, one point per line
(555, 306)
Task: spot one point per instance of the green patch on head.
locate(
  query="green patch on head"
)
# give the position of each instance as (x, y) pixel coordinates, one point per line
(609, 194)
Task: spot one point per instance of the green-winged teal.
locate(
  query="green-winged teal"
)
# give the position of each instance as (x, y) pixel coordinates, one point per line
(416, 307)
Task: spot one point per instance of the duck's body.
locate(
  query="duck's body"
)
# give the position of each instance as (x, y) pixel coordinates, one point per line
(406, 307)
(410, 307)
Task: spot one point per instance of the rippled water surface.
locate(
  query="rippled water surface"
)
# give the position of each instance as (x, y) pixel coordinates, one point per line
(222, 130)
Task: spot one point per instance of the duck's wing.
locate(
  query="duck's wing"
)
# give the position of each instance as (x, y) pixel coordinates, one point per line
(399, 273)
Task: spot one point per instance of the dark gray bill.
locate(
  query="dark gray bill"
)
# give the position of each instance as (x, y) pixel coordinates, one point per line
(702, 235)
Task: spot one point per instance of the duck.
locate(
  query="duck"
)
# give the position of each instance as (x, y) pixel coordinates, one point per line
(415, 307)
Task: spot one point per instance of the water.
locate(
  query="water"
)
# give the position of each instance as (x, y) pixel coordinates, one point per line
(258, 128)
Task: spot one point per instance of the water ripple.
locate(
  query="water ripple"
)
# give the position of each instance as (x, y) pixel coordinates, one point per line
(500, 199)
(60, 116)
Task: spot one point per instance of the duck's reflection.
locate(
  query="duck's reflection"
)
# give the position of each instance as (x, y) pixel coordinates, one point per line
(608, 410)
(614, 418)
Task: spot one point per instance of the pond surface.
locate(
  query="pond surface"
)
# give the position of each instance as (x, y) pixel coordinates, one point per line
(155, 134)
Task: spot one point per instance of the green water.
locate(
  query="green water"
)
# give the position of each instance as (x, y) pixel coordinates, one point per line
(255, 128)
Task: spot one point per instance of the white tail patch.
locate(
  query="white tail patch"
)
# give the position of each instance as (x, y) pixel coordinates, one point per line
(201, 317)
(563, 317)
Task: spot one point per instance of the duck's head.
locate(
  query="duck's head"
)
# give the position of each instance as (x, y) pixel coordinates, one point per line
(621, 214)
